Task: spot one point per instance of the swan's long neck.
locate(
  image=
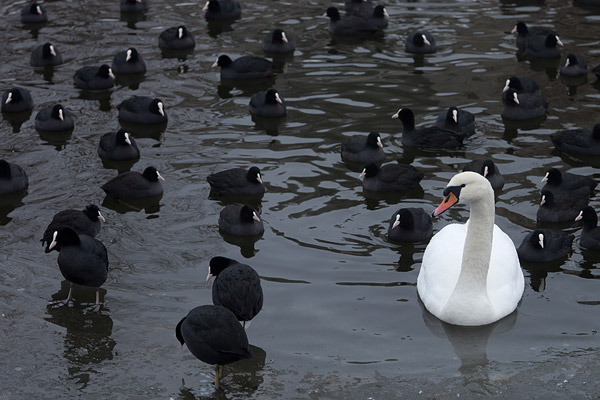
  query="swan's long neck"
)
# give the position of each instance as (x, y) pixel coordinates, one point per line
(470, 292)
(478, 247)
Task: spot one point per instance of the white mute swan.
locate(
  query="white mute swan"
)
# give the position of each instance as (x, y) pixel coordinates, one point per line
(470, 274)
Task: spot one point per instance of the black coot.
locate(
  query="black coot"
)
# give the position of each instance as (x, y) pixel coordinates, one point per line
(83, 222)
(410, 225)
(45, 55)
(133, 6)
(359, 8)
(573, 65)
(489, 170)
(245, 67)
(133, 185)
(590, 234)
(34, 13)
(118, 146)
(82, 259)
(279, 42)
(522, 84)
(349, 26)
(578, 141)
(94, 78)
(557, 183)
(560, 207)
(237, 181)
(222, 10)
(268, 104)
(524, 32)
(176, 38)
(142, 110)
(541, 46)
(420, 42)
(12, 178)
(390, 177)
(426, 138)
(456, 120)
(214, 336)
(128, 62)
(241, 220)
(236, 287)
(16, 100)
(521, 107)
(544, 245)
(380, 17)
(54, 119)
(363, 149)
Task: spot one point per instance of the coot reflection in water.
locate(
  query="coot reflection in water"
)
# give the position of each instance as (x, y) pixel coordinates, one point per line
(88, 338)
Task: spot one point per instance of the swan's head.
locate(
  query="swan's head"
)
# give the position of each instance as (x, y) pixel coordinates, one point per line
(465, 187)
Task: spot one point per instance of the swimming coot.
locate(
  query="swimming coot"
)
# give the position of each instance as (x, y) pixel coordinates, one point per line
(279, 42)
(573, 65)
(55, 118)
(410, 225)
(390, 177)
(34, 13)
(12, 178)
(426, 138)
(128, 62)
(524, 32)
(142, 110)
(545, 245)
(349, 26)
(133, 6)
(237, 181)
(578, 141)
(590, 234)
(420, 42)
(489, 170)
(118, 146)
(456, 120)
(94, 78)
(176, 38)
(359, 8)
(541, 46)
(267, 104)
(241, 220)
(560, 207)
(133, 185)
(557, 183)
(45, 55)
(245, 67)
(363, 149)
(520, 107)
(16, 100)
(222, 10)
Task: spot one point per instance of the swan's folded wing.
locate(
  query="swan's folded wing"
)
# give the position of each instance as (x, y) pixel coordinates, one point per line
(505, 278)
(440, 267)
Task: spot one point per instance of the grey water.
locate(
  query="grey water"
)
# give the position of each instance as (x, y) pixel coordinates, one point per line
(341, 316)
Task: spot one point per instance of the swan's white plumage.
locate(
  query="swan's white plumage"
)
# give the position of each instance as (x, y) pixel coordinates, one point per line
(442, 264)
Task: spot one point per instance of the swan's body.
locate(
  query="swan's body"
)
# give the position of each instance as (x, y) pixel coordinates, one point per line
(470, 274)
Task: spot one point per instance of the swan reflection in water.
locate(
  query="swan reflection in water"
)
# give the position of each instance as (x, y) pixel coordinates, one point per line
(468, 342)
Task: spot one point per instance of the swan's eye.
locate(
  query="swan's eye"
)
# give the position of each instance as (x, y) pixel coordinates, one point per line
(463, 185)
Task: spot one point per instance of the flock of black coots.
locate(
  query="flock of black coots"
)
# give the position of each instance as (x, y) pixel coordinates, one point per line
(213, 333)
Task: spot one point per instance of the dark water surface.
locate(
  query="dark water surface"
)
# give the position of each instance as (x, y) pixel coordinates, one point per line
(341, 317)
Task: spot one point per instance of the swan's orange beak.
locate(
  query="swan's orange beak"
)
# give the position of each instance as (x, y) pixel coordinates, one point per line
(448, 202)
